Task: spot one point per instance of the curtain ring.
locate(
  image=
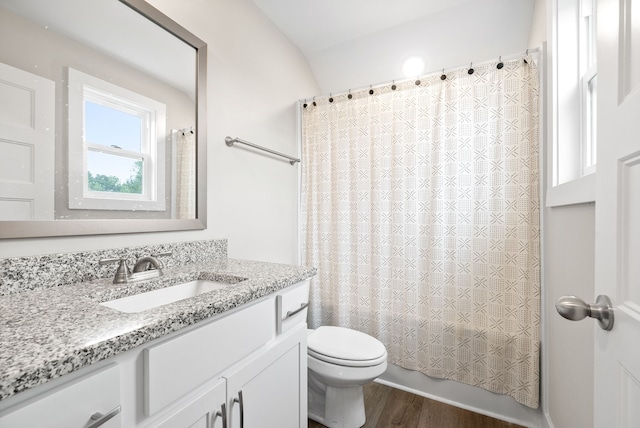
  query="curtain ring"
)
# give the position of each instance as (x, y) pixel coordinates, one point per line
(500, 63)
(370, 90)
(349, 96)
(417, 81)
(443, 76)
(330, 98)
(471, 70)
(393, 85)
(314, 102)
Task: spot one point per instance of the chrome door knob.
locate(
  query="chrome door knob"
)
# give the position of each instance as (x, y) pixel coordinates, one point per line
(574, 308)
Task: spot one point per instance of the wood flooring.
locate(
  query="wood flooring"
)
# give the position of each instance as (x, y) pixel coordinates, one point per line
(387, 407)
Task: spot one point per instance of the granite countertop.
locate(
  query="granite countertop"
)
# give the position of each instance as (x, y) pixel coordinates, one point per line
(51, 332)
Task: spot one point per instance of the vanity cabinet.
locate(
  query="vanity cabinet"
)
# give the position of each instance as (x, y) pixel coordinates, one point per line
(176, 366)
(89, 401)
(260, 391)
(246, 368)
(261, 367)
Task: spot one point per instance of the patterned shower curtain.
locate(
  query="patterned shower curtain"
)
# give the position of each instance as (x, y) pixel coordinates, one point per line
(185, 175)
(420, 209)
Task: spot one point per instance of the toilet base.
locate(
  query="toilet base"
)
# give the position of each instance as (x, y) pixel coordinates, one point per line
(335, 407)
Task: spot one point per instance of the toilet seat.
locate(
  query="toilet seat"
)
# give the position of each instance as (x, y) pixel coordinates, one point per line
(345, 347)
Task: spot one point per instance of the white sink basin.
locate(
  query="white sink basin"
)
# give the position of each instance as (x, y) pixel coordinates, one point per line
(163, 296)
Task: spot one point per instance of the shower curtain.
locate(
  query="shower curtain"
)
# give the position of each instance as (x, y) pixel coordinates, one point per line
(186, 175)
(420, 209)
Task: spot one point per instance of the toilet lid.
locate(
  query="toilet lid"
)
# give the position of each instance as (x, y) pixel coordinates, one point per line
(345, 346)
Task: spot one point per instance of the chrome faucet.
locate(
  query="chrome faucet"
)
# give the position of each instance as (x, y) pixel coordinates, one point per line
(146, 267)
(147, 263)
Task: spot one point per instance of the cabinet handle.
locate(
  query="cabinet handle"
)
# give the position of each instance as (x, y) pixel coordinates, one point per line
(223, 414)
(240, 401)
(302, 307)
(100, 419)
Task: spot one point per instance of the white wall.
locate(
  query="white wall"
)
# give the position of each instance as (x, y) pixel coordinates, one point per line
(475, 31)
(255, 76)
(569, 263)
(538, 31)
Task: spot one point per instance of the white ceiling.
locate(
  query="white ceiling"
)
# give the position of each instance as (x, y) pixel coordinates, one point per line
(117, 31)
(321, 24)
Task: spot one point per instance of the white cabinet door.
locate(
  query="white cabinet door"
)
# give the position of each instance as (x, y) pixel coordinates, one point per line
(72, 404)
(203, 410)
(265, 391)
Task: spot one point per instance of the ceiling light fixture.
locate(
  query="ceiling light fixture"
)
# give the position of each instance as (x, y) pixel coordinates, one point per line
(413, 66)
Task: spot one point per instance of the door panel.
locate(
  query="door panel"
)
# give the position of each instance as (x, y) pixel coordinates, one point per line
(27, 142)
(617, 353)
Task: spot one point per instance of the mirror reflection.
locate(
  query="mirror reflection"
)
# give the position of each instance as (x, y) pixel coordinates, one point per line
(97, 112)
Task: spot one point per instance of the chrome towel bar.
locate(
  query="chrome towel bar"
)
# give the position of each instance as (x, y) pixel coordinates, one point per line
(230, 141)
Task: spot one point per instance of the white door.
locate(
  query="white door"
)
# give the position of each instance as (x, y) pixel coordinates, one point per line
(617, 352)
(27, 145)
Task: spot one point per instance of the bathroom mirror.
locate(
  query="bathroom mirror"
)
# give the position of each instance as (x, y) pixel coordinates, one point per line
(102, 119)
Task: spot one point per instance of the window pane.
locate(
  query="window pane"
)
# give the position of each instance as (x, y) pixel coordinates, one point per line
(112, 173)
(110, 127)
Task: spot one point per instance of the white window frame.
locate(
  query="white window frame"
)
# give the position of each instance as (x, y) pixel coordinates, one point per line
(84, 87)
(571, 178)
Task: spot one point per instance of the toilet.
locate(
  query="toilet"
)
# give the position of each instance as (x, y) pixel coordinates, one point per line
(340, 362)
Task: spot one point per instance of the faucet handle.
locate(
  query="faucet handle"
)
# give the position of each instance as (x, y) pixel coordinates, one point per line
(155, 256)
(123, 271)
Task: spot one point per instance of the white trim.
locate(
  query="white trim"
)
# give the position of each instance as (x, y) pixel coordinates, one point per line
(579, 191)
(545, 132)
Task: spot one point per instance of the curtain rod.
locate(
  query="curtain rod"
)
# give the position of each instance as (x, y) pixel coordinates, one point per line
(431, 73)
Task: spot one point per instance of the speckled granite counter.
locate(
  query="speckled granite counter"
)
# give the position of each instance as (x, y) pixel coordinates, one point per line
(48, 332)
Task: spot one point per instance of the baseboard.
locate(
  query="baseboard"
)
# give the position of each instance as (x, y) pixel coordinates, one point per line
(464, 396)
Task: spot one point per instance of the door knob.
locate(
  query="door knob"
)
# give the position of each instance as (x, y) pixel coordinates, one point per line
(574, 308)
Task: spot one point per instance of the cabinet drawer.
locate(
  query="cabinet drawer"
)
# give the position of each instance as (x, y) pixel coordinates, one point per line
(72, 404)
(176, 366)
(291, 306)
